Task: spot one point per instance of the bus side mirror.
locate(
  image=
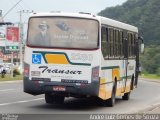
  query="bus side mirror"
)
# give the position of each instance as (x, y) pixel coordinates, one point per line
(142, 48)
(142, 44)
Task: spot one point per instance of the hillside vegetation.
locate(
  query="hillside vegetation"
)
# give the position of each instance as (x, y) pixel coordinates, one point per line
(145, 14)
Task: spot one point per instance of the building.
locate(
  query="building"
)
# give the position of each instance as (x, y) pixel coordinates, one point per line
(5, 53)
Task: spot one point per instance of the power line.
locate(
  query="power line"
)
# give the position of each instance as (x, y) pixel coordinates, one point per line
(21, 33)
(11, 9)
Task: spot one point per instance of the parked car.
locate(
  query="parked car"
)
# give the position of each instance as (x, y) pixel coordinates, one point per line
(8, 67)
(2, 71)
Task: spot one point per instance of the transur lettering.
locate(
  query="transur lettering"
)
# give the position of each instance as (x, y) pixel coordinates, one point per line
(51, 70)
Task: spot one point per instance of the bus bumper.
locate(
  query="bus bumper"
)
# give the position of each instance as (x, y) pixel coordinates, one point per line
(71, 89)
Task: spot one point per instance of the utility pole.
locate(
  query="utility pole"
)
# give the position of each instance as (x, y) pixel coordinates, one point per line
(21, 35)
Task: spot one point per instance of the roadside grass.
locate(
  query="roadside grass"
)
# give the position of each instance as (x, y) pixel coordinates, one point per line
(9, 78)
(150, 76)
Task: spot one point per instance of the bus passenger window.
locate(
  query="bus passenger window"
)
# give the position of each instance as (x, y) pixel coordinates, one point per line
(117, 43)
(134, 45)
(129, 44)
(104, 41)
(121, 44)
(111, 42)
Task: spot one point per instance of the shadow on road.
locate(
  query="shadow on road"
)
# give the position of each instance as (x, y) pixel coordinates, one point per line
(76, 104)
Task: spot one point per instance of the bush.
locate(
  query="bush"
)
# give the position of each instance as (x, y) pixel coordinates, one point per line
(158, 71)
(150, 60)
(16, 72)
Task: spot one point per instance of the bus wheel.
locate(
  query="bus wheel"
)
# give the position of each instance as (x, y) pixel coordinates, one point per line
(110, 102)
(49, 99)
(58, 99)
(132, 83)
(126, 96)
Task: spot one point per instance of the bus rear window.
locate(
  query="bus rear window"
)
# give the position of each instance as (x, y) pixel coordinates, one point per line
(63, 32)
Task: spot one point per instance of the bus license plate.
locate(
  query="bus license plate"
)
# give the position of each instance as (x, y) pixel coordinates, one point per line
(59, 88)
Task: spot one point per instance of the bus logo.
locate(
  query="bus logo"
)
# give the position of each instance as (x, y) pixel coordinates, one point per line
(36, 58)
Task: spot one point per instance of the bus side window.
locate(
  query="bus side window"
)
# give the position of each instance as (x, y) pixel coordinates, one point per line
(108, 50)
(104, 41)
(129, 45)
(134, 45)
(114, 43)
(117, 43)
(111, 43)
(132, 48)
(121, 43)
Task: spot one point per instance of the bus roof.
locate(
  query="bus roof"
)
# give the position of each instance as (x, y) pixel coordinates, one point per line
(63, 14)
(103, 20)
(117, 24)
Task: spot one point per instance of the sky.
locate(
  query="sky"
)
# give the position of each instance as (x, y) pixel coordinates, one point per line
(89, 6)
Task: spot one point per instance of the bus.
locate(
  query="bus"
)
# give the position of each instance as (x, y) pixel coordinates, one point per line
(80, 55)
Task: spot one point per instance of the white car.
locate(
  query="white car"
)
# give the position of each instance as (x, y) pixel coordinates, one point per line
(8, 67)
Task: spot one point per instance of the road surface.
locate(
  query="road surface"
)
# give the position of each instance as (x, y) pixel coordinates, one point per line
(14, 100)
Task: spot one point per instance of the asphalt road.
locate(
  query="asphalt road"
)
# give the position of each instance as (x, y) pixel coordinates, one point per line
(14, 100)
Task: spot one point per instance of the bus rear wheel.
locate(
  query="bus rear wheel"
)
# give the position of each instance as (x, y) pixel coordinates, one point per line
(111, 101)
(54, 99)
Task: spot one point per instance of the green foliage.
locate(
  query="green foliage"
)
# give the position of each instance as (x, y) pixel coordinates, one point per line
(16, 72)
(144, 14)
(150, 60)
(150, 76)
(158, 71)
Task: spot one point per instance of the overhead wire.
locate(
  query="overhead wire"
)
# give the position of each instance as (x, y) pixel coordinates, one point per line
(10, 10)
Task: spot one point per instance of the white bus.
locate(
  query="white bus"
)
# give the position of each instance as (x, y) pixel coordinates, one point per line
(80, 55)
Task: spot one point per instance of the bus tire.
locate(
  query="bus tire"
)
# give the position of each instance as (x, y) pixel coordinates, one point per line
(54, 99)
(126, 96)
(111, 101)
(49, 99)
(132, 83)
(58, 99)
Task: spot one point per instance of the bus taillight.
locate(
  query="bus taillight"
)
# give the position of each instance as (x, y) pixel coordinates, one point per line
(95, 74)
(26, 70)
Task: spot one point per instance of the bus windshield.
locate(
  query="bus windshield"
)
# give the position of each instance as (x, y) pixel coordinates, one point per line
(63, 32)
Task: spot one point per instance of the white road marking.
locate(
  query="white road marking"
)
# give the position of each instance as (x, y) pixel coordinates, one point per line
(23, 101)
(15, 81)
(10, 90)
(4, 90)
